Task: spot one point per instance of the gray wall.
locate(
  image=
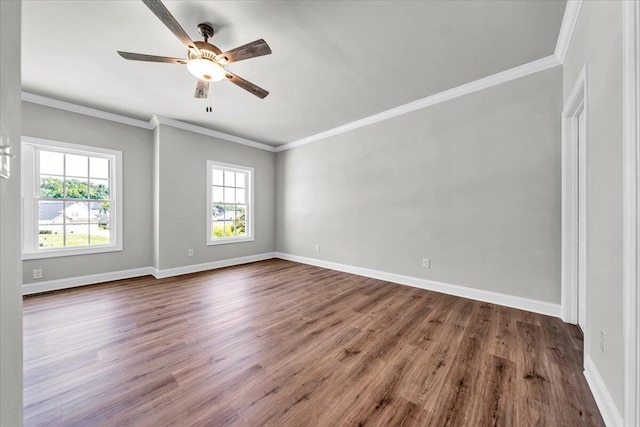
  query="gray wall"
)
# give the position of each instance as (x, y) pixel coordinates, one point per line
(10, 265)
(182, 197)
(164, 173)
(598, 40)
(472, 183)
(137, 148)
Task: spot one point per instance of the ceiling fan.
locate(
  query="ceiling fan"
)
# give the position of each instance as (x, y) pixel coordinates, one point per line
(205, 61)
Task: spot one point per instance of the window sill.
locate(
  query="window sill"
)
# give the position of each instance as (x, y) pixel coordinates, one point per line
(224, 241)
(54, 253)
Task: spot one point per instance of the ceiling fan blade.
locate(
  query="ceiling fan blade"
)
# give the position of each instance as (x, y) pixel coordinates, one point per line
(170, 22)
(151, 58)
(246, 85)
(202, 89)
(249, 50)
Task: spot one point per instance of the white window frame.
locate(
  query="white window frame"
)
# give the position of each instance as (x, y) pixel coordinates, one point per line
(211, 164)
(30, 189)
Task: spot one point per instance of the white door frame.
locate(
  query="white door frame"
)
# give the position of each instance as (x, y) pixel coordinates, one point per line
(574, 162)
(631, 222)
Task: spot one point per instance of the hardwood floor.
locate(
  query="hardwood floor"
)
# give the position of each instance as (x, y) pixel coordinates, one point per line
(285, 344)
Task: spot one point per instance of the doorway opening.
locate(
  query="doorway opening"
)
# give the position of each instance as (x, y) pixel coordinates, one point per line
(574, 206)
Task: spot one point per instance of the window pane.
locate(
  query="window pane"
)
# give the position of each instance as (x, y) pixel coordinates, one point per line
(217, 211)
(99, 212)
(217, 175)
(76, 212)
(217, 195)
(99, 167)
(77, 165)
(51, 187)
(50, 225)
(49, 212)
(51, 163)
(217, 229)
(99, 189)
(77, 234)
(50, 236)
(76, 188)
(229, 195)
(240, 179)
(99, 233)
(240, 196)
(241, 228)
(229, 179)
(228, 229)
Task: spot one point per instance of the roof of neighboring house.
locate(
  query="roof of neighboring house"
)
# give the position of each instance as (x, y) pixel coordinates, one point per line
(49, 210)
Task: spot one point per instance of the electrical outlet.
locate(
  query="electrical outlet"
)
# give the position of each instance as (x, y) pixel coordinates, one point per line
(426, 263)
(37, 273)
(603, 341)
(317, 247)
(190, 252)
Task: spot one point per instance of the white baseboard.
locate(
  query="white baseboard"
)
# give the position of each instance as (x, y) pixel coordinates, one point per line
(169, 272)
(72, 282)
(606, 405)
(527, 304)
(535, 306)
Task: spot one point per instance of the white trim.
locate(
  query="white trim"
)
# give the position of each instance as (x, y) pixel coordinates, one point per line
(465, 89)
(606, 405)
(170, 272)
(572, 163)
(213, 133)
(73, 282)
(631, 215)
(81, 109)
(569, 20)
(29, 188)
(151, 124)
(249, 202)
(535, 306)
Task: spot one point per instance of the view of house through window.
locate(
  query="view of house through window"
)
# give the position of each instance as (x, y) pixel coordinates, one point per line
(69, 198)
(73, 207)
(229, 202)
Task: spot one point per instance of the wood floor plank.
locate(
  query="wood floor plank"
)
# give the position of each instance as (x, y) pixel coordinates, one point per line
(285, 344)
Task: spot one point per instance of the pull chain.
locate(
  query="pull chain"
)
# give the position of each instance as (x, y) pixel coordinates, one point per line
(209, 108)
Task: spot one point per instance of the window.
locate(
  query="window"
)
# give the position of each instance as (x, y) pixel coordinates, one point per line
(229, 203)
(71, 199)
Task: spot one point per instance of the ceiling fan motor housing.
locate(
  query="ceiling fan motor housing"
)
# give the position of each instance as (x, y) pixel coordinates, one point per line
(207, 50)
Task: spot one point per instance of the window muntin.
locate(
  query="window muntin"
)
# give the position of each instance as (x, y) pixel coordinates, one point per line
(70, 199)
(229, 203)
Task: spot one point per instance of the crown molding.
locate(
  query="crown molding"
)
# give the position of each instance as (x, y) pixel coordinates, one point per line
(465, 89)
(210, 132)
(154, 122)
(81, 109)
(569, 20)
(151, 124)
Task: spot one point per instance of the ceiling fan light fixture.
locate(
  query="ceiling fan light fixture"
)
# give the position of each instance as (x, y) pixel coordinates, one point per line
(205, 69)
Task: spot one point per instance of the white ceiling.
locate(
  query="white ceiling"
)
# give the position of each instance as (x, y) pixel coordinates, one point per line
(333, 62)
